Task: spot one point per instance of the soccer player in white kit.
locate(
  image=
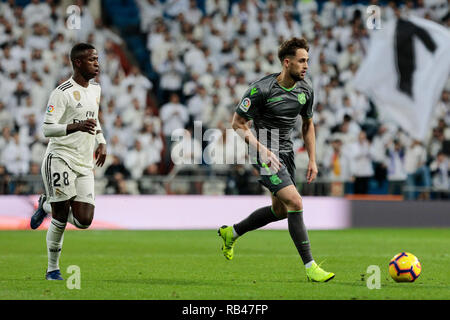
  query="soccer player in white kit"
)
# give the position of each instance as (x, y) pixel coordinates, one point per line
(71, 123)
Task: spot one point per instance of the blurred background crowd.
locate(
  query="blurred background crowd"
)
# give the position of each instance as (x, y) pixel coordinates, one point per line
(166, 64)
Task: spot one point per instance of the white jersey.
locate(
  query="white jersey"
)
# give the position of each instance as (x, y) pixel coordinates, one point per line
(71, 103)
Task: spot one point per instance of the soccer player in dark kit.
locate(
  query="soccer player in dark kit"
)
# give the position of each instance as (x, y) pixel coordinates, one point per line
(273, 103)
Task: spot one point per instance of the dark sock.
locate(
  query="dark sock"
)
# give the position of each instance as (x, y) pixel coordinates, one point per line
(299, 235)
(257, 219)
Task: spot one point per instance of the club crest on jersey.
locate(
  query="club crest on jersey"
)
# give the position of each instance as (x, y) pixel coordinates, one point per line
(245, 104)
(50, 108)
(77, 95)
(301, 98)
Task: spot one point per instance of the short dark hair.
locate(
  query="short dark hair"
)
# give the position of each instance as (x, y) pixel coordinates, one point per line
(289, 47)
(78, 50)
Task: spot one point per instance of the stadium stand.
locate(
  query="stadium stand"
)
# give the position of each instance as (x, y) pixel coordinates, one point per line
(166, 64)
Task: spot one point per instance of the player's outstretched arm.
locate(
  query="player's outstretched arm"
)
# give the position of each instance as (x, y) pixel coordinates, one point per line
(239, 125)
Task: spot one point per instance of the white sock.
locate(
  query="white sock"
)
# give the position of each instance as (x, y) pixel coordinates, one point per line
(309, 264)
(47, 207)
(55, 237)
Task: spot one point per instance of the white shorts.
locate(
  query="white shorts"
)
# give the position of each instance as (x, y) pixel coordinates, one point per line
(62, 183)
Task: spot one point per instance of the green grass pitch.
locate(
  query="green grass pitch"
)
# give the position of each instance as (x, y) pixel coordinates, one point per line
(188, 265)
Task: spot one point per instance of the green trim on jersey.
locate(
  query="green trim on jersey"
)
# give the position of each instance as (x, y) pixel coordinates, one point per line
(288, 89)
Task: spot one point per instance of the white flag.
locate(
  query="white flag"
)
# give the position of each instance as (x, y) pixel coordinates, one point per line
(405, 71)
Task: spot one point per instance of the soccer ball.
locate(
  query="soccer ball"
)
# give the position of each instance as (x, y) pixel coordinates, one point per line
(405, 267)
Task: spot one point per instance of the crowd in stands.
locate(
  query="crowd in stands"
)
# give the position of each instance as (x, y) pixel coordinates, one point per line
(205, 57)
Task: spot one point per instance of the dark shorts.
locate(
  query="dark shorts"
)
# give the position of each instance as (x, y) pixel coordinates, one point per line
(283, 178)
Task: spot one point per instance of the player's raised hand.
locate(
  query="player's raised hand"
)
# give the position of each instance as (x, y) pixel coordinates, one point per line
(100, 154)
(312, 171)
(88, 126)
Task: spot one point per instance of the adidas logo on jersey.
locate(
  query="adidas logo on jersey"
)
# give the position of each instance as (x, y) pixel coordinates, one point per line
(79, 105)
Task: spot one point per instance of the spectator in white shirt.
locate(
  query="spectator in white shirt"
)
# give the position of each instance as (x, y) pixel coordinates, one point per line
(361, 164)
(159, 51)
(198, 103)
(440, 170)
(5, 138)
(337, 162)
(151, 117)
(349, 56)
(136, 160)
(151, 142)
(16, 156)
(7, 9)
(287, 26)
(8, 61)
(109, 115)
(395, 163)
(22, 112)
(194, 58)
(416, 169)
(215, 114)
(186, 152)
(149, 10)
(36, 11)
(141, 85)
(39, 94)
(125, 99)
(7, 88)
(225, 148)
(174, 7)
(123, 132)
(31, 131)
(37, 150)
(324, 116)
(330, 46)
(193, 14)
(19, 95)
(436, 142)
(117, 148)
(6, 117)
(39, 39)
(171, 72)
(174, 115)
(19, 51)
(133, 116)
(86, 21)
(443, 109)
(219, 7)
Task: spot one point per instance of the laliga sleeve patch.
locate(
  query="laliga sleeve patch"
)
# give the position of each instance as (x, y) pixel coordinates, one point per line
(245, 104)
(50, 109)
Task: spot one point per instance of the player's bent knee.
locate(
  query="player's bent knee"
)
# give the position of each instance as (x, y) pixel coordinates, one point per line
(83, 214)
(294, 204)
